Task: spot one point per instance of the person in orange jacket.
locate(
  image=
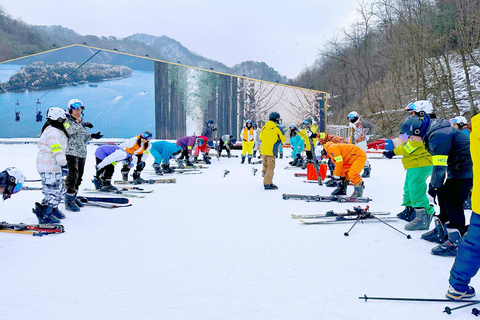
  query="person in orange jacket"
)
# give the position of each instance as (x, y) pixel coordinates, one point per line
(349, 161)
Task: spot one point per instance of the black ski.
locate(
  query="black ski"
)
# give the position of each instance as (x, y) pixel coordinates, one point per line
(355, 213)
(43, 227)
(105, 199)
(289, 196)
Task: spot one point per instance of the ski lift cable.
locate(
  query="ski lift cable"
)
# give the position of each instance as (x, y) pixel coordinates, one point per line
(71, 73)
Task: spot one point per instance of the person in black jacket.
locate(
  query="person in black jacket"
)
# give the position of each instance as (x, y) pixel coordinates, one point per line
(451, 180)
(208, 128)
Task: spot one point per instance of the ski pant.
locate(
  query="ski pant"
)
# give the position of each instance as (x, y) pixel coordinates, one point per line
(247, 147)
(268, 168)
(106, 172)
(415, 189)
(467, 261)
(451, 197)
(363, 145)
(225, 146)
(53, 188)
(352, 170)
(76, 166)
(331, 166)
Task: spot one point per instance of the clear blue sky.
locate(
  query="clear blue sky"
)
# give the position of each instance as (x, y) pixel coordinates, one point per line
(287, 35)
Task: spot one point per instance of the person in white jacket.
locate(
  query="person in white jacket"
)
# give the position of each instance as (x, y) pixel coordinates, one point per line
(52, 166)
(106, 157)
(139, 147)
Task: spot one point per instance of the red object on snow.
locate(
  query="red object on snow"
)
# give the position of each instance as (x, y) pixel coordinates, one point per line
(377, 144)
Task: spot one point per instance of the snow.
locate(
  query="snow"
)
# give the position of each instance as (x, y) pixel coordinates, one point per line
(215, 247)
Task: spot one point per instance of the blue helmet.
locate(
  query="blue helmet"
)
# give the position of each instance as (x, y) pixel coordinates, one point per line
(275, 117)
(210, 143)
(200, 141)
(412, 126)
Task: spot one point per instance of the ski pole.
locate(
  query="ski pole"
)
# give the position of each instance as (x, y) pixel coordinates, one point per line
(36, 180)
(414, 299)
(407, 235)
(346, 234)
(449, 310)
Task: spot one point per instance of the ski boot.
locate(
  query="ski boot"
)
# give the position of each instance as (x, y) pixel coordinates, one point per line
(281, 155)
(366, 171)
(454, 294)
(331, 183)
(107, 186)
(254, 153)
(166, 168)
(58, 214)
(195, 159)
(438, 234)
(70, 204)
(421, 222)
(228, 154)
(79, 203)
(270, 186)
(188, 163)
(448, 248)
(341, 189)
(157, 168)
(249, 157)
(243, 159)
(44, 214)
(207, 159)
(358, 190)
(97, 183)
(124, 175)
(294, 162)
(136, 177)
(408, 214)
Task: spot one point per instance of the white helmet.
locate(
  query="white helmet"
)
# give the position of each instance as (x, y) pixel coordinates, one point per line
(14, 182)
(56, 114)
(74, 104)
(353, 117)
(420, 107)
(460, 121)
(320, 151)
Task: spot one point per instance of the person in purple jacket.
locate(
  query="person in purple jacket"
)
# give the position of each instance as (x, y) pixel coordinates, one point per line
(188, 144)
(106, 157)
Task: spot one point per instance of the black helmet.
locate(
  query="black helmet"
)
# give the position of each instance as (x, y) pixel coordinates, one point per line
(275, 117)
(412, 126)
(210, 121)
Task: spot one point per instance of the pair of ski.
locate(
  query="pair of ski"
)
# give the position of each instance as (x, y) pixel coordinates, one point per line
(330, 217)
(105, 202)
(179, 171)
(318, 198)
(31, 229)
(121, 192)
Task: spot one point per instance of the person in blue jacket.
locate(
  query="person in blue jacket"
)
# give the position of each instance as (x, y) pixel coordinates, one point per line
(162, 152)
(451, 179)
(297, 144)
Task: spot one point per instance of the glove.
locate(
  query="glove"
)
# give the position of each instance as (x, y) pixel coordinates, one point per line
(433, 192)
(87, 124)
(128, 163)
(388, 154)
(140, 165)
(309, 133)
(96, 135)
(214, 128)
(64, 171)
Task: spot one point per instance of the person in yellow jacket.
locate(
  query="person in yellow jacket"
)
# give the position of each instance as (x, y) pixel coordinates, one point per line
(418, 163)
(467, 262)
(349, 160)
(248, 140)
(271, 136)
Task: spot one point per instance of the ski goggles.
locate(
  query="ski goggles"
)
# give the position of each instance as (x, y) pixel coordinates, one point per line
(411, 107)
(146, 136)
(404, 137)
(77, 105)
(12, 190)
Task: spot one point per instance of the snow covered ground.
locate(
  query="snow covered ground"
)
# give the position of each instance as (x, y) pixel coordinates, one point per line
(215, 247)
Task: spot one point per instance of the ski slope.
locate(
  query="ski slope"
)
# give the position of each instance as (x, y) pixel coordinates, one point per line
(214, 247)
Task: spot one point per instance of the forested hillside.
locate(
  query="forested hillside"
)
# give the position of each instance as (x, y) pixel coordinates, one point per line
(400, 51)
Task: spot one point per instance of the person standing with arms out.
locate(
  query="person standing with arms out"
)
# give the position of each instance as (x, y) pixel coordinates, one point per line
(139, 147)
(76, 152)
(52, 166)
(467, 262)
(271, 136)
(248, 140)
(359, 131)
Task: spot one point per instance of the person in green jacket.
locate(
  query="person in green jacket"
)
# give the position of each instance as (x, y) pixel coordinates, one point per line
(417, 161)
(271, 136)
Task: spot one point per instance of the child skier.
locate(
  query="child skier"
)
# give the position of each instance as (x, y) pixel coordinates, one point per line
(162, 152)
(297, 144)
(52, 166)
(204, 149)
(106, 157)
(139, 147)
(248, 140)
(188, 144)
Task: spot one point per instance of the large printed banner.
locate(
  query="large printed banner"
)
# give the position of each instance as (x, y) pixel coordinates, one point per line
(125, 95)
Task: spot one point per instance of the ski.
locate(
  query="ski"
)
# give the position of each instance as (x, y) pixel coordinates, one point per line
(330, 213)
(294, 168)
(341, 219)
(43, 227)
(120, 200)
(151, 181)
(117, 192)
(125, 189)
(106, 205)
(257, 162)
(30, 232)
(287, 196)
(31, 188)
(299, 174)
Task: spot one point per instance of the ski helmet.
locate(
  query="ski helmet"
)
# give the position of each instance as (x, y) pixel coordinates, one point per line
(247, 122)
(293, 127)
(13, 182)
(459, 121)
(56, 114)
(210, 122)
(307, 122)
(210, 143)
(74, 104)
(320, 151)
(275, 117)
(200, 142)
(146, 135)
(353, 117)
(254, 125)
(412, 126)
(420, 107)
